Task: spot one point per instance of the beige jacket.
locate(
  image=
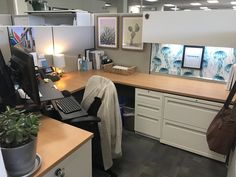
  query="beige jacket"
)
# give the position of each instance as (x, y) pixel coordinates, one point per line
(110, 126)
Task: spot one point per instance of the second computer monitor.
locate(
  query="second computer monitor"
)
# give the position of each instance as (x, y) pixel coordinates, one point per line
(23, 65)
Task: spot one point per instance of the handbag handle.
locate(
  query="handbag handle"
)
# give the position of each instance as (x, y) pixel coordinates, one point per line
(230, 96)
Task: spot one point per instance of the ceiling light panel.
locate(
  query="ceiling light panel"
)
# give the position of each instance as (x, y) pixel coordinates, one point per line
(213, 1)
(169, 5)
(233, 2)
(195, 4)
(151, 0)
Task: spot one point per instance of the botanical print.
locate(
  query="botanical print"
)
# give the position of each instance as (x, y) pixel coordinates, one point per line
(107, 32)
(217, 62)
(132, 32)
(22, 37)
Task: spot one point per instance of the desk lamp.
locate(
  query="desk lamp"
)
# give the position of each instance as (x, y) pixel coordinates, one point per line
(59, 63)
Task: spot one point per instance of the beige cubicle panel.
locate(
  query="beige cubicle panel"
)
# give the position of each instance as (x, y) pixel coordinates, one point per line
(4, 43)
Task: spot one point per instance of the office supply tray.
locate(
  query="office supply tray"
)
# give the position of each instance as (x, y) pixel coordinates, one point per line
(109, 68)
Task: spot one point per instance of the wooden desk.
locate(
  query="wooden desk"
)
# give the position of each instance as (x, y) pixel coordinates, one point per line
(76, 81)
(56, 141)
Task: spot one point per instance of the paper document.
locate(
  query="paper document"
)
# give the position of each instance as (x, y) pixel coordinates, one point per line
(120, 67)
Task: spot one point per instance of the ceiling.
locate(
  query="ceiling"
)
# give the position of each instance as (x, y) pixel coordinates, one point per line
(182, 4)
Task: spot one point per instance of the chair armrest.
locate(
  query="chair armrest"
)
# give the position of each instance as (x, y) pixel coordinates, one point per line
(85, 119)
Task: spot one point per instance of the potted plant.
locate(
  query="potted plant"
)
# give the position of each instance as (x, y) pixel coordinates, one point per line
(18, 139)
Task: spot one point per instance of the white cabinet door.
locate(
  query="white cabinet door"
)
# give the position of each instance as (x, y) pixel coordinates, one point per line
(190, 111)
(232, 165)
(194, 28)
(78, 164)
(148, 112)
(187, 138)
(185, 124)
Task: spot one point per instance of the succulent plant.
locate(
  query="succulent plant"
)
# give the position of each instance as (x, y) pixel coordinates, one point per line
(133, 32)
(107, 37)
(17, 128)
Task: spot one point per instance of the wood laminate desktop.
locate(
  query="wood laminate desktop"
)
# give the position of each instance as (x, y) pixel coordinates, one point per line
(211, 91)
(56, 141)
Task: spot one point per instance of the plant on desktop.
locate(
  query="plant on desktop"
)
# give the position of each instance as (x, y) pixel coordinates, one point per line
(17, 128)
(18, 132)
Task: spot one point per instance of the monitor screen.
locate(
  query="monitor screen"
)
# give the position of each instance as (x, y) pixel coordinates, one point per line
(23, 65)
(7, 91)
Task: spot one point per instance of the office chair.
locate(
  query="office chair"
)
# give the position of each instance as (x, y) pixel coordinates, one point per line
(100, 99)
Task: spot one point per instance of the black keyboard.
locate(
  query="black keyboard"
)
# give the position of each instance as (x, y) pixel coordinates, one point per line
(68, 105)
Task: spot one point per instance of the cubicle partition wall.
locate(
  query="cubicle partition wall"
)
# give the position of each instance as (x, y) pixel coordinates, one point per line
(69, 40)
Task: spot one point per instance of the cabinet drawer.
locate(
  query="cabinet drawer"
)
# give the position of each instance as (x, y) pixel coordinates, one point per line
(147, 97)
(78, 164)
(150, 111)
(188, 139)
(147, 125)
(190, 111)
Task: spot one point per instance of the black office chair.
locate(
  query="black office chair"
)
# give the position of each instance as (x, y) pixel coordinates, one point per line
(90, 123)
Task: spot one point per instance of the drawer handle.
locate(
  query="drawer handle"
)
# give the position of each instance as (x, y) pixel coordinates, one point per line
(146, 117)
(60, 172)
(148, 96)
(149, 107)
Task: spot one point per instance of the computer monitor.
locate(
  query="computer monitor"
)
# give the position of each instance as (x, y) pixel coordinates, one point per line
(7, 90)
(22, 64)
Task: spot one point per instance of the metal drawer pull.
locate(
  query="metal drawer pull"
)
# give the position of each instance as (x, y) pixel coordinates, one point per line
(60, 172)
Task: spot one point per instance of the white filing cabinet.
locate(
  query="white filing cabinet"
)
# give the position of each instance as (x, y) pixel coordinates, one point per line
(78, 164)
(232, 165)
(185, 124)
(148, 112)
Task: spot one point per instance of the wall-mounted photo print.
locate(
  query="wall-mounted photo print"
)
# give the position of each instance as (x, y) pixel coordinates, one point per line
(107, 31)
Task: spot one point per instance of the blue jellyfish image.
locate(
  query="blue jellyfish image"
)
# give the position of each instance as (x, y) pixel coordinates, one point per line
(228, 67)
(156, 63)
(177, 64)
(234, 55)
(219, 56)
(165, 51)
(188, 73)
(164, 70)
(204, 62)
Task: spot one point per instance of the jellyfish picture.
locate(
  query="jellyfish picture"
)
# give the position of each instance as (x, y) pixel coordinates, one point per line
(165, 51)
(228, 67)
(177, 64)
(164, 70)
(156, 63)
(188, 73)
(205, 62)
(219, 56)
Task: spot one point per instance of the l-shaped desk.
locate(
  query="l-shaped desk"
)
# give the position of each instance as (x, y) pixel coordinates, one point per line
(58, 141)
(210, 91)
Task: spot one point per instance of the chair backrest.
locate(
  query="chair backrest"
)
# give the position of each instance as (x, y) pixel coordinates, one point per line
(94, 90)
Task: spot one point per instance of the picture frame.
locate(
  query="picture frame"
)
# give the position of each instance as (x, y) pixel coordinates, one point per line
(107, 31)
(193, 57)
(132, 32)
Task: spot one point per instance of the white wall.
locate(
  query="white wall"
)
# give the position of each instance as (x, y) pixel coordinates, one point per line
(4, 43)
(4, 7)
(89, 5)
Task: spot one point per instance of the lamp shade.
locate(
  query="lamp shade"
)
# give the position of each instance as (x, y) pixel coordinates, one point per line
(59, 60)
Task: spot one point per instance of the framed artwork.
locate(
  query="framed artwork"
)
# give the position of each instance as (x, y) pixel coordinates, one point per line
(193, 57)
(107, 31)
(132, 32)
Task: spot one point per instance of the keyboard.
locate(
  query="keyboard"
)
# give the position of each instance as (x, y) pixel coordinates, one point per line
(68, 105)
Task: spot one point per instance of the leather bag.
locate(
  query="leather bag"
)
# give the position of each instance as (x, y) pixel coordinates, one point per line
(221, 134)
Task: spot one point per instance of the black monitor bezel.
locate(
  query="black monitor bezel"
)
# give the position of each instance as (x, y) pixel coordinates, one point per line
(26, 68)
